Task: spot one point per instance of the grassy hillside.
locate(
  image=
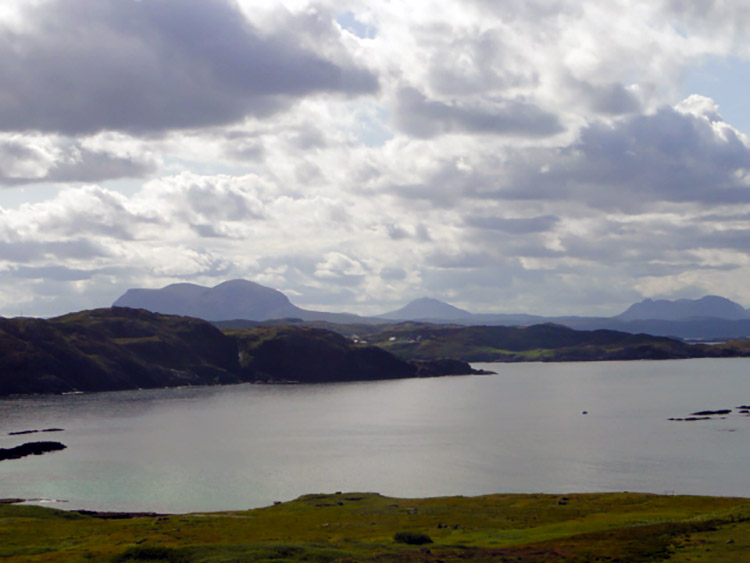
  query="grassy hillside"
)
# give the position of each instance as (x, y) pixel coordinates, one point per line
(294, 353)
(109, 349)
(122, 348)
(544, 342)
(365, 527)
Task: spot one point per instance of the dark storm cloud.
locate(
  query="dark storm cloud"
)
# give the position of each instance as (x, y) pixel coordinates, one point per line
(421, 117)
(155, 65)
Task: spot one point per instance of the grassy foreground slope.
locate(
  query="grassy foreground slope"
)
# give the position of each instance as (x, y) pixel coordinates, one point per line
(358, 527)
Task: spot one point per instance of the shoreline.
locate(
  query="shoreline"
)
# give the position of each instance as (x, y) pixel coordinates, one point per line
(129, 514)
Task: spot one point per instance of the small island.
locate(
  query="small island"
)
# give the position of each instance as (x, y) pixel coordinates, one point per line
(30, 448)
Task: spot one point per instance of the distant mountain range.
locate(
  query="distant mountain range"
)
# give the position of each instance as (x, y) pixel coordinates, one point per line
(710, 317)
(234, 299)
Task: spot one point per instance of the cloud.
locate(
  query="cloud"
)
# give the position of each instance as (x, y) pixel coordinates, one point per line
(611, 99)
(341, 267)
(28, 159)
(629, 165)
(667, 156)
(513, 225)
(529, 155)
(30, 251)
(89, 211)
(479, 62)
(81, 67)
(54, 273)
(421, 117)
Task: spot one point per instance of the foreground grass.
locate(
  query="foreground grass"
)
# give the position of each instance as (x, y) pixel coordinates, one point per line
(358, 527)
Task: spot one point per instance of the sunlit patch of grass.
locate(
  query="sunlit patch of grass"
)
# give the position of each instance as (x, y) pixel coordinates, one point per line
(362, 527)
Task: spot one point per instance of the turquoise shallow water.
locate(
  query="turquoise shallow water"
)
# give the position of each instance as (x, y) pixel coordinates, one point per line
(521, 430)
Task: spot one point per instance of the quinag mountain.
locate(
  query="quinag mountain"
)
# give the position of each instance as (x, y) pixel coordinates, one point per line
(234, 299)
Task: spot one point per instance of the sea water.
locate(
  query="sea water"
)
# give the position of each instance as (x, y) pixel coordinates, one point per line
(522, 430)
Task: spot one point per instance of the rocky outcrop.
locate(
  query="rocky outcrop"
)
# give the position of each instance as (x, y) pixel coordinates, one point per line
(445, 366)
(30, 448)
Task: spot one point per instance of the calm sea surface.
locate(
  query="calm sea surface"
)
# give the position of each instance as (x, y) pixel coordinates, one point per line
(521, 430)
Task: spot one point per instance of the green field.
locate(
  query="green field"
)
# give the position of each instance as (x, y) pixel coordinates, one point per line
(353, 527)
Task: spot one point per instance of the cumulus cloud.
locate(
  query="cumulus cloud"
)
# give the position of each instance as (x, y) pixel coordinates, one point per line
(212, 203)
(670, 155)
(338, 265)
(666, 156)
(529, 156)
(27, 159)
(82, 67)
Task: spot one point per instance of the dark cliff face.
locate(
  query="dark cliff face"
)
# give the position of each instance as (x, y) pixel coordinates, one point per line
(314, 355)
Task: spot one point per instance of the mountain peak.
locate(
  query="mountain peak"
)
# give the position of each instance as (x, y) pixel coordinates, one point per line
(233, 299)
(709, 306)
(426, 308)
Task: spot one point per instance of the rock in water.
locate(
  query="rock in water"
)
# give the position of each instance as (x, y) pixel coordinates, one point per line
(30, 448)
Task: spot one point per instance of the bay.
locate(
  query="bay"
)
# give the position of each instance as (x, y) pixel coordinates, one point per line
(522, 430)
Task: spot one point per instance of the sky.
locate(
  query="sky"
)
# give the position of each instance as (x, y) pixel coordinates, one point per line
(553, 157)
